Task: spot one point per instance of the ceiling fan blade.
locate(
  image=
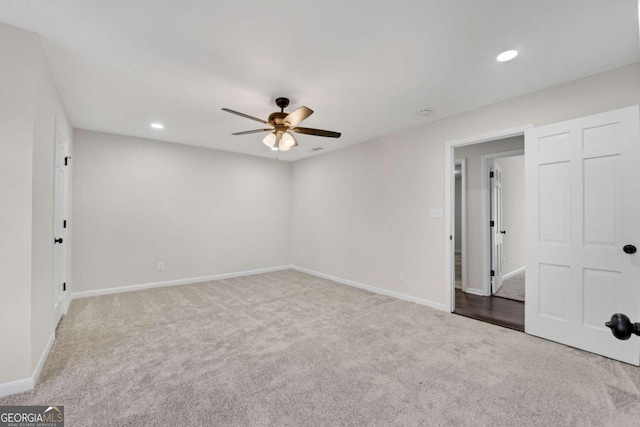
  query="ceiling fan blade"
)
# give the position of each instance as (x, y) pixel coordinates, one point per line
(297, 116)
(246, 116)
(317, 132)
(247, 132)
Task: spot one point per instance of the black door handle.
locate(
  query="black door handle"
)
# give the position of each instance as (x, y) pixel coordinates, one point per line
(59, 240)
(503, 231)
(629, 249)
(621, 327)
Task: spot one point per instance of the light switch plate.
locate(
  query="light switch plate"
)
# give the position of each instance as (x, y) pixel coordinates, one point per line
(436, 213)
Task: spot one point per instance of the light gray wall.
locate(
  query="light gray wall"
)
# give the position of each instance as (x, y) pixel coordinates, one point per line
(476, 228)
(202, 212)
(513, 213)
(29, 105)
(362, 213)
(16, 132)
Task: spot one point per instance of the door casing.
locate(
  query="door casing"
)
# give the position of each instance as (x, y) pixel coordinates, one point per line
(60, 252)
(449, 165)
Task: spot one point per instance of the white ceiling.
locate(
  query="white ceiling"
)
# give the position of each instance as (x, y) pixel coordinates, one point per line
(365, 67)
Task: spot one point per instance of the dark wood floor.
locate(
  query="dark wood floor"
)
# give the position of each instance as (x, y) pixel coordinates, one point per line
(496, 310)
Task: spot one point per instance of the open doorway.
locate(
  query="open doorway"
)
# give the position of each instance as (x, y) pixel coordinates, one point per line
(507, 225)
(488, 240)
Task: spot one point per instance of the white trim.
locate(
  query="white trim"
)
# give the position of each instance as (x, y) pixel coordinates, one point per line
(487, 260)
(68, 303)
(43, 358)
(475, 291)
(131, 288)
(374, 289)
(514, 272)
(17, 386)
(26, 384)
(449, 158)
(60, 137)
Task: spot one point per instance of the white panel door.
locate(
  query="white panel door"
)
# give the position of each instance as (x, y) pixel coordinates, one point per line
(496, 227)
(583, 206)
(60, 242)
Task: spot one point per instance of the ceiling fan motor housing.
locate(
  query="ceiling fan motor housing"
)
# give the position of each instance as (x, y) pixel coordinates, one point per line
(277, 118)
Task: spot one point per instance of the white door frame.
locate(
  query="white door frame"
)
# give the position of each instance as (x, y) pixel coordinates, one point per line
(61, 306)
(463, 219)
(449, 168)
(486, 160)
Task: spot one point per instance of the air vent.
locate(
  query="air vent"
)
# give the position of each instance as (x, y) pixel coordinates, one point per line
(317, 149)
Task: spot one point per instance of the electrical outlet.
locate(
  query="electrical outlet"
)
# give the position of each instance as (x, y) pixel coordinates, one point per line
(402, 275)
(160, 265)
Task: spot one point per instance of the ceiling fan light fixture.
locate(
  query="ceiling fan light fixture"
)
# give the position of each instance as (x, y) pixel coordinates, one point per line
(288, 141)
(270, 141)
(283, 147)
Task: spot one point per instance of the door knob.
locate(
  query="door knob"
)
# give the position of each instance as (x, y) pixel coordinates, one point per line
(503, 232)
(621, 327)
(59, 240)
(629, 249)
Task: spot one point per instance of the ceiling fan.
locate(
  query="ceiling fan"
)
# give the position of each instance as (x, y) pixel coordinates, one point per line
(282, 124)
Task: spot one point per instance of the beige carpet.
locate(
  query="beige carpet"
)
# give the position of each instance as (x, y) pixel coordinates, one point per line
(513, 287)
(289, 349)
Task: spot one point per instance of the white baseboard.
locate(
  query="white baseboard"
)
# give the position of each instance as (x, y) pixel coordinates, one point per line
(374, 289)
(17, 386)
(26, 384)
(513, 273)
(43, 358)
(475, 291)
(131, 288)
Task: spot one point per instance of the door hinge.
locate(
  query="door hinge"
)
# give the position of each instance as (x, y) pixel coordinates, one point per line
(64, 286)
(492, 273)
(66, 161)
(492, 223)
(490, 174)
(64, 224)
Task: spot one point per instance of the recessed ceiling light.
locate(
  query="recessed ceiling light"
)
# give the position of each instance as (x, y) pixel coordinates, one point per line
(507, 55)
(157, 125)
